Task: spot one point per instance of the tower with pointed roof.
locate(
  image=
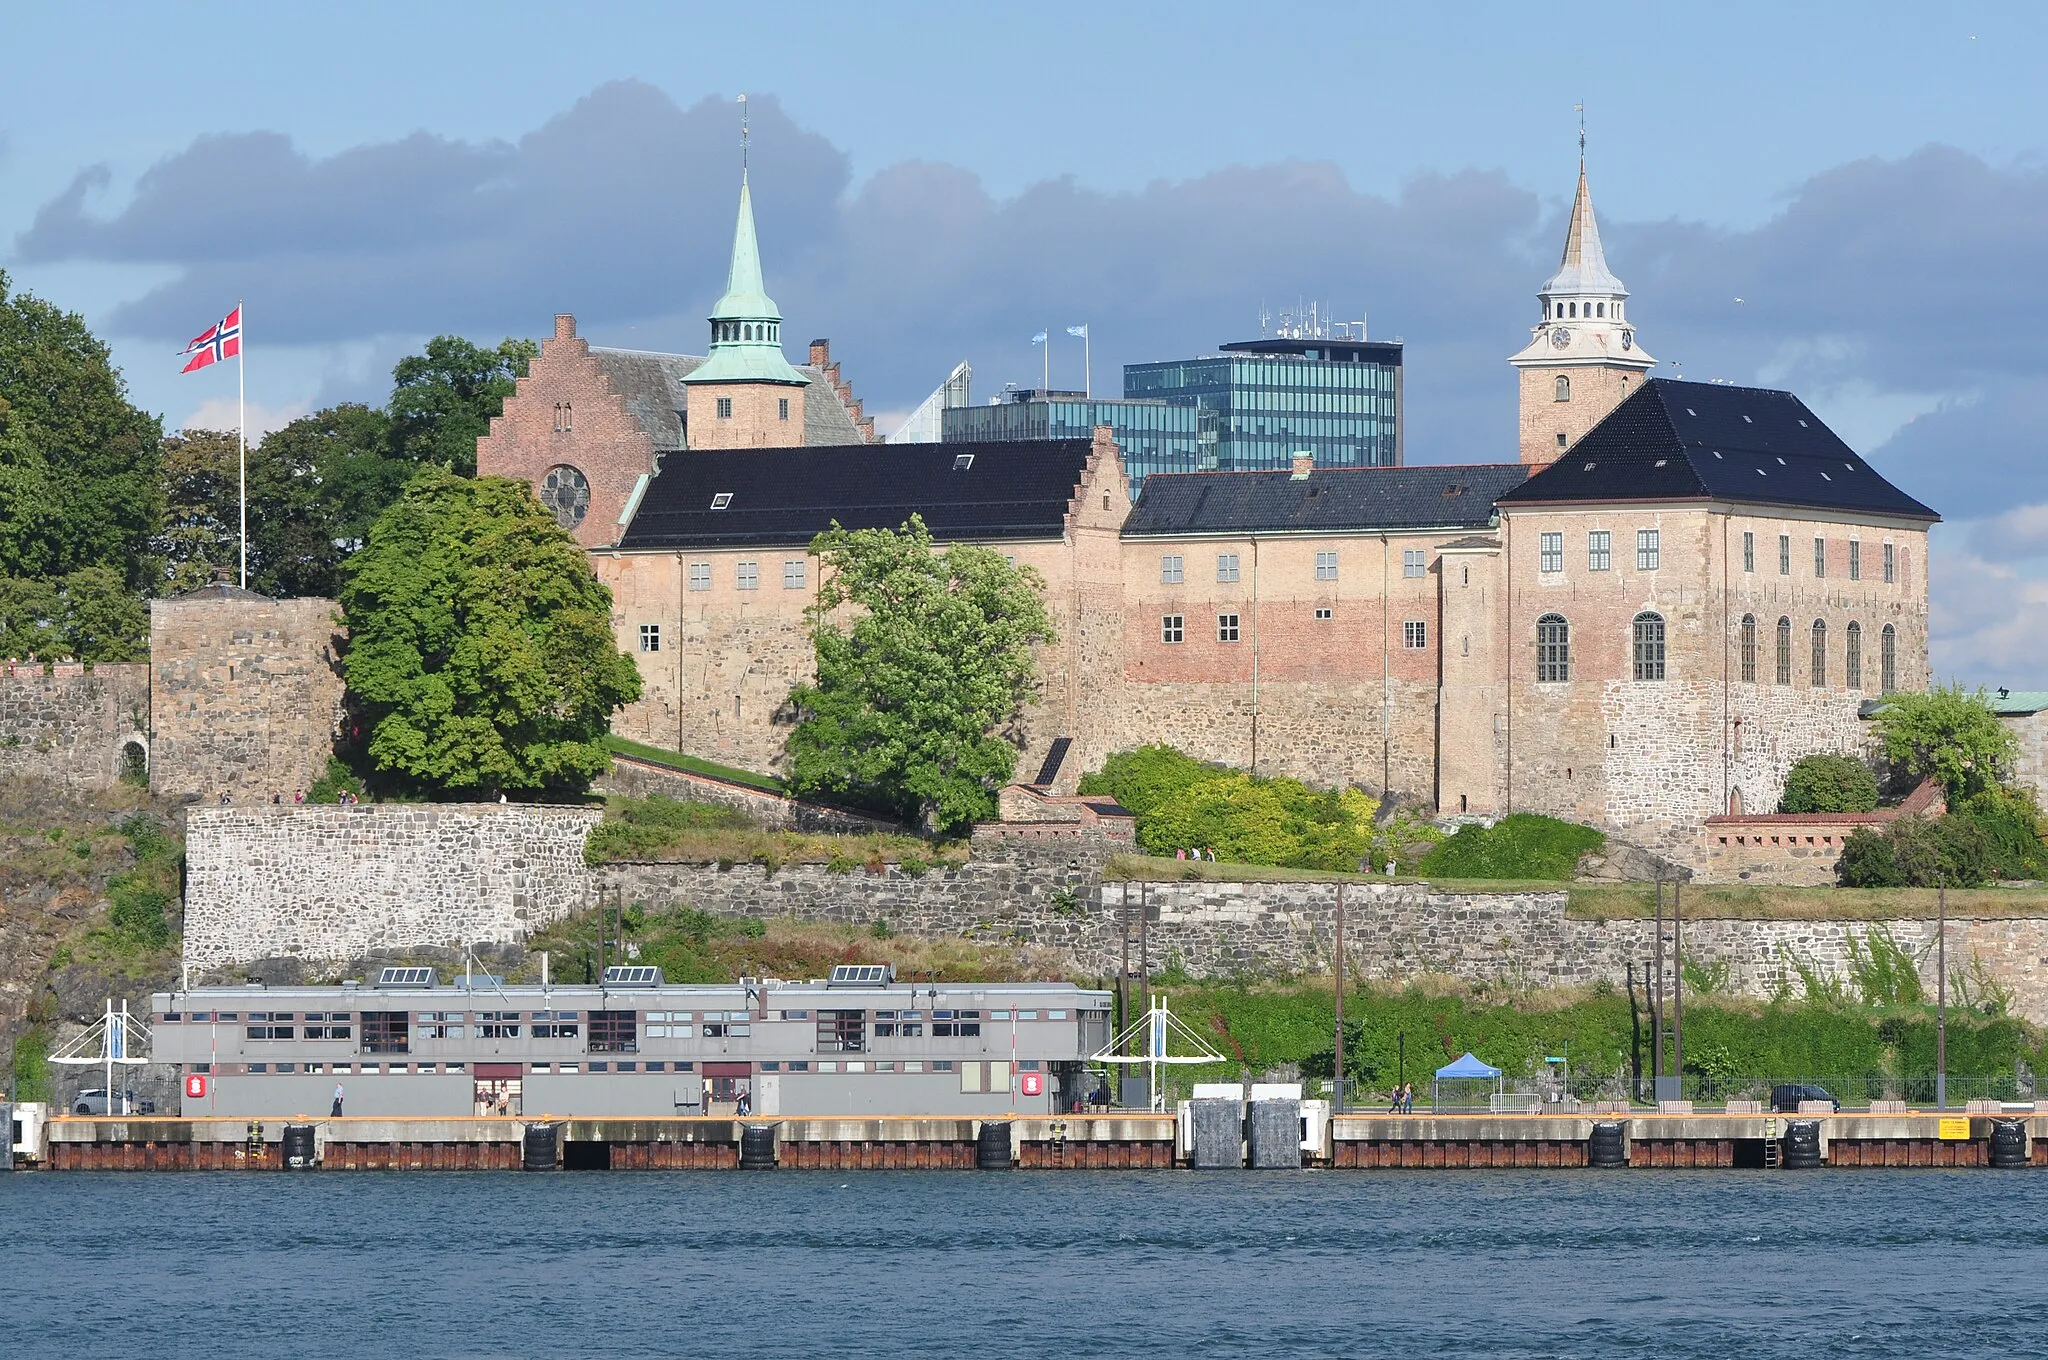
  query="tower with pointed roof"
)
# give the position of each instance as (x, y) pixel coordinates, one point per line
(745, 394)
(1582, 358)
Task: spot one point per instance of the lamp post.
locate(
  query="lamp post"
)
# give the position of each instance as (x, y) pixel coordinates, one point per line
(1941, 998)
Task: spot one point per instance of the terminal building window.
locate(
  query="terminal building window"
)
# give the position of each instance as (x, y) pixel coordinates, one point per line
(387, 1032)
(500, 1025)
(556, 1025)
(842, 1031)
(614, 1032)
(328, 1025)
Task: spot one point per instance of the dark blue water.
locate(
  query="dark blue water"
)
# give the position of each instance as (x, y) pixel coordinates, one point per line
(1524, 1264)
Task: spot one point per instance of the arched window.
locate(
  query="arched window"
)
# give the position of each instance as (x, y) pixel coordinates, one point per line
(1784, 651)
(1852, 656)
(1564, 388)
(1747, 649)
(1553, 649)
(1820, 654)
(1888, 660)
(1600, 309)
(1649, 646)
(1575, 309)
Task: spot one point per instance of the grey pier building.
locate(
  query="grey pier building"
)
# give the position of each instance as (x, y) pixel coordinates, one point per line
(858, 1043)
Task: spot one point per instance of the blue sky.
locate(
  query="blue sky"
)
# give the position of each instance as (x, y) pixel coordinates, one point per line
(938, 183)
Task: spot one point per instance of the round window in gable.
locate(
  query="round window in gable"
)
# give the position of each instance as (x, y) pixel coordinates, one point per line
(566, 494)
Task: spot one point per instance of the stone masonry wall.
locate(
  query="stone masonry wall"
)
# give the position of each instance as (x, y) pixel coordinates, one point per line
(328, 883)
(67, 725)
(642, 779)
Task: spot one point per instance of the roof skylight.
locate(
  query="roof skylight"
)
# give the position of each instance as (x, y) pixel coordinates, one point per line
(721, 500)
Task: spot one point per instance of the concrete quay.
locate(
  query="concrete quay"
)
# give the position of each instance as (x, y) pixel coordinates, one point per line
(1112, 1141)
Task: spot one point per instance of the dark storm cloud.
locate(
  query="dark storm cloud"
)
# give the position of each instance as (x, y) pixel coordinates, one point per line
(1924, 274)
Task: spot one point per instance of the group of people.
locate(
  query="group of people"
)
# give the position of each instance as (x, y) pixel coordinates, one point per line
(1402, 1099)
(1209, 854)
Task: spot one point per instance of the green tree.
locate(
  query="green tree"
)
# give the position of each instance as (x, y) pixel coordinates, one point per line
(78, 463)
(442, 401)
(1829, 783)
(292, 542)
(924, 667)
(1948, 733)
(103, 620)
(480, 644)
(347, 450)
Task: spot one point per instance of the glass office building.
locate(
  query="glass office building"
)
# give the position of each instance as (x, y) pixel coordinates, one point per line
(1153, 436)
(1259, 402)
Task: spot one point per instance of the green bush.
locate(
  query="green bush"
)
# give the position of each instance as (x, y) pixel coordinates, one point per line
(1522, 845)
(2010, 821)
(1917, 852)
(1829, 783)
(1182, 804)
(333, 782)
(139, 912)
(641, 828)
(1868, 862)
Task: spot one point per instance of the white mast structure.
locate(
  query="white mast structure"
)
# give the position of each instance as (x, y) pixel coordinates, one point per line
(1156, 1030)
(114, 1038)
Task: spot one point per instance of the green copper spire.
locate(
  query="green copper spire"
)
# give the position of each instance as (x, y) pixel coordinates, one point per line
(746, 327)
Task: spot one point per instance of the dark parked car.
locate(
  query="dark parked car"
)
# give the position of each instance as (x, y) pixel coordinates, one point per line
(1785, 1099)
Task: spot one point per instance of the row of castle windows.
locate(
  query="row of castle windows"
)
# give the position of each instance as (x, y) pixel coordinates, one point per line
(747, 576)
(1562, 311)
(1173, 628)
(1554, 651)
(724, 408)
(1173, 567)
(728, 332)
(1649, 553)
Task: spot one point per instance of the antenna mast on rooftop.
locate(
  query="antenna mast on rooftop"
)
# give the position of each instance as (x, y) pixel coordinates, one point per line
(743, 137)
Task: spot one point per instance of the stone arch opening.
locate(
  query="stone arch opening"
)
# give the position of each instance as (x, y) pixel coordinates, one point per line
(135, 761)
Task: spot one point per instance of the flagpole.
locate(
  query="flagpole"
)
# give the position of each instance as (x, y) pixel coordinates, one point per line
(242, 432)
(1047, 386)
(1087, 367)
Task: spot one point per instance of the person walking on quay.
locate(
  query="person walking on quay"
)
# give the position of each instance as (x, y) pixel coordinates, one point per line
(336, 1113)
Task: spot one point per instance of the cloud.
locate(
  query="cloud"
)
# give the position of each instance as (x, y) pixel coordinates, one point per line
(221, 413)
(1988, 622)
(1883, 289)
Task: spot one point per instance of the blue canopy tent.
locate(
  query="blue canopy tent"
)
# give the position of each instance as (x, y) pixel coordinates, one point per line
(1464, 1070)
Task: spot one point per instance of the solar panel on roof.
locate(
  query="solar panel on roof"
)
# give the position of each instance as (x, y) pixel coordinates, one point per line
(406, 977)
(633, 975)
(861, 975)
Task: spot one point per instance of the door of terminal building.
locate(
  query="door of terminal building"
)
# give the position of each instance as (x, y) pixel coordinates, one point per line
(498, 1088)
(725, 1083)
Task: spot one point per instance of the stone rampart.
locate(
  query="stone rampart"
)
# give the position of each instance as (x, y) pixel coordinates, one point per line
(329, 883)
(70, 725)
(642, 778)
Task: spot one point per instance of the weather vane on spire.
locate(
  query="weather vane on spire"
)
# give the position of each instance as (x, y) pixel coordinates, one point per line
(1579, 108)
(743, 137)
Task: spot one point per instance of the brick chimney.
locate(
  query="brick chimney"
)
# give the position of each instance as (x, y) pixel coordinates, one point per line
(565, 326)
(821, 353)
(1304, 463)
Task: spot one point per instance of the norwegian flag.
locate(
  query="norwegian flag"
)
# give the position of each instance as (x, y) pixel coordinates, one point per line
(218, 342)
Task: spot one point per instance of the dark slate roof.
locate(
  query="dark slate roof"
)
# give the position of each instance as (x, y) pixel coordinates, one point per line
(1690, 441)
(1457, 496)
(785, 497)
(652, 385)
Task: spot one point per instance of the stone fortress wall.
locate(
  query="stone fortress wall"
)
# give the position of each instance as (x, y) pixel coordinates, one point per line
(72, 725)
(328, 884)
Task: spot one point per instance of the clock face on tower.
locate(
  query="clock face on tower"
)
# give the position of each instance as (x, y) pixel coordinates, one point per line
(1561, 338)
(1628, 339)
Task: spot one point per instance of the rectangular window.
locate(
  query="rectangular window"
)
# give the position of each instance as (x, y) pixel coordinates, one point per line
(700, 576)
(1599, 550)
(749, 576)
(1550, 552)
(1226, 627)
(1226, 566)
(794, 573)
(1855, 559)
(614, 1032)
(1414, 562)
(1820, 558)
(1748, 551)
(500, 1025)
(1172, 570)
(1415, 634)
(725, 408)
(1784, 554)
(650, 637)
(782, 408)
(1648, 550)
(1325, 613)
(1891, 571)
(387, 1032)
(842, 1031)
(1172, 628)
(1326, 566)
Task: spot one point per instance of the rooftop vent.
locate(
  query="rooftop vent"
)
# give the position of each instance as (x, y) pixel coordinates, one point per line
(721, 500)
(962, 461)
(406, 977)
(861, 975)
(1304, 464)
(634, 975)
(1590, 466)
